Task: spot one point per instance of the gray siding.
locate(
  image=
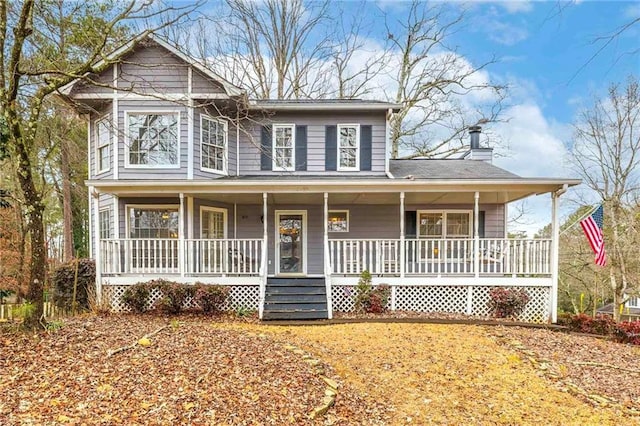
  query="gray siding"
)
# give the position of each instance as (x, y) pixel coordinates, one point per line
(151, 107)
(105, 202)
(493, 219)
(199, 203)
(152, 69)
(203, 84)
(315, 121)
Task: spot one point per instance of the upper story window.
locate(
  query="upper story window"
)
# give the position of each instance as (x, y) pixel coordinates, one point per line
(284, 142)
(444, 224)
(348, 147)
(103, 145)
(152, 140)
(213, 144)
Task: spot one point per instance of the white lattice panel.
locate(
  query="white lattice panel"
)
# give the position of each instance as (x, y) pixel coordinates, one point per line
(451, 299)
(537, 310)
(342, 298)
(240, 296)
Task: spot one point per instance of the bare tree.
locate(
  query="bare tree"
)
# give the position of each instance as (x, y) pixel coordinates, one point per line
(273, 48)
(431, 80)
(606, 153)
(32, 70)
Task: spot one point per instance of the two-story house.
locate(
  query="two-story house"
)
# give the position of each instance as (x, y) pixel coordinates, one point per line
(288, 202)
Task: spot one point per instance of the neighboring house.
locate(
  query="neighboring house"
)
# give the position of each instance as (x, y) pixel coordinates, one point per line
(630, 311)
(288, 202)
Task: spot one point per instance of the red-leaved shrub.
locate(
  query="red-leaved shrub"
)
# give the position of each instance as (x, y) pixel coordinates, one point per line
(507, 302)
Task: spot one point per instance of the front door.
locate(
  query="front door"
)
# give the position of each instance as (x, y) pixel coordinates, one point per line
(291, 247)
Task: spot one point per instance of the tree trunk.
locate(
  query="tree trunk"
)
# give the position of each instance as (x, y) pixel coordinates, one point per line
(67, 225)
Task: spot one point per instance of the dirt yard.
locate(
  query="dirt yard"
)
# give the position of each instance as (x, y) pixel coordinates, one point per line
(202, 371)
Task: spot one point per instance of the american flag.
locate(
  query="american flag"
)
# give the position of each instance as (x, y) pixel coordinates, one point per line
(592, 227)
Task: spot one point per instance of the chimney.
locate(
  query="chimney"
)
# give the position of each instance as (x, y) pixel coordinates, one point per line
(474, 133)
(475, 152)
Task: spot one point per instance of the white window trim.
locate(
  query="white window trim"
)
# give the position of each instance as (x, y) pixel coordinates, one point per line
(444, 223)
(347, 219)
(274, 165)
(357, 167)
(98, 146)
(204, 209)
(128, 207)
(127, 165)
(111, 220)
(225, 160)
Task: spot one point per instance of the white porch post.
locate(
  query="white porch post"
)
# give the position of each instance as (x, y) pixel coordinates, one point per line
(264, 261)
(181, 242)
(555, 245)
(403, 251)
(476, 234)
(96, 237)
(327, 263)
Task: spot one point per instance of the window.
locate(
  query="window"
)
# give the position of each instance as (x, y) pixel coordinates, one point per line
(284, 141)
(153, 222)
(105, 220)
(213, 223)
(213, 144)
(348, 147)
(338, 221)
(444, 224)
(152, 140)
(103, 145)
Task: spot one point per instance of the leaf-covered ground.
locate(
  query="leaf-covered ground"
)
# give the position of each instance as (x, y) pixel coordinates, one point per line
(200, 371)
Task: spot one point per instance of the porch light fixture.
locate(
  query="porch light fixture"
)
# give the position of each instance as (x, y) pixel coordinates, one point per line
(165, 215)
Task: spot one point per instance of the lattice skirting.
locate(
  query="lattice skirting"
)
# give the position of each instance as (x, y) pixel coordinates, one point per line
(449, 299)
(240, 296)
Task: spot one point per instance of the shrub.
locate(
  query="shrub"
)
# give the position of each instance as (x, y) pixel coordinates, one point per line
(369, 299)
(136, 296)
(583, 323)
(628, 332)
(63, 280)
(211, 298)
(507, 302)
(173, 295)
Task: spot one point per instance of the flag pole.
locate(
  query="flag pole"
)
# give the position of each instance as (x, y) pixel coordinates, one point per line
(579, 220)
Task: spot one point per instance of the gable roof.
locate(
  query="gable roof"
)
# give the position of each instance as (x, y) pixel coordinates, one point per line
(321, 104)
(436, 169)
(230, 89)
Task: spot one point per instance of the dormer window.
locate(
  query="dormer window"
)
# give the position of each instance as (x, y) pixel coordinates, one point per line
(284, 142)
(348, 147)
(152, 140)
(213, 144)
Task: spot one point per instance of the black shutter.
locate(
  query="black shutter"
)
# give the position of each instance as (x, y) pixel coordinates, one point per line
(410, 220)
(365, 148)
(266, 161)
(331, 148)
(481, 224)
(301, 148)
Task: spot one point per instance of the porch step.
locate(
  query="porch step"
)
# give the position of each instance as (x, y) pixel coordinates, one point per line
(295, 298)
(294, 314)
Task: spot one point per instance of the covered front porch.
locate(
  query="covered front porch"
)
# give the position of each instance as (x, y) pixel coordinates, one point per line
(438, 250)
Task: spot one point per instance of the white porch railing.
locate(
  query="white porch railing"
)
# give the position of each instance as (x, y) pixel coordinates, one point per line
(514, 257)
(161, 256)
(351, 257)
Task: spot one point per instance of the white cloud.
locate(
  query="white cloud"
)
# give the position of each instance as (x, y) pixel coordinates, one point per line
(505, 33)
(517, 6)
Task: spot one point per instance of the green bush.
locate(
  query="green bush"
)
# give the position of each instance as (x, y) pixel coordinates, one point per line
(174, 296)
(63, 279)
(136, 296)
(370, 299)
(507, 302)
(211, 298)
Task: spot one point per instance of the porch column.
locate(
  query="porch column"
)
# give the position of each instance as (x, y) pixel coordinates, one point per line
(94, 210)
(555, 245)
(403, 251)
(181, 251)
(327, 262)
(264, 269)
(476, 234)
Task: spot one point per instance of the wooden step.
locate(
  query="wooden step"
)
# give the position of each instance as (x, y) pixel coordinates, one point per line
(296, 298)
(294, 314)
(295, 306)
(295, 290)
